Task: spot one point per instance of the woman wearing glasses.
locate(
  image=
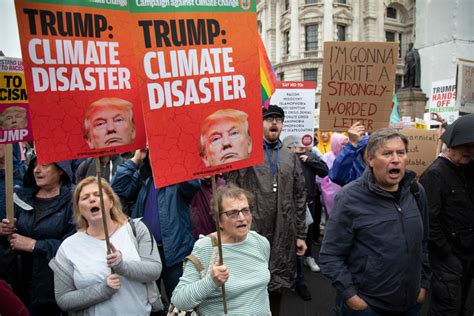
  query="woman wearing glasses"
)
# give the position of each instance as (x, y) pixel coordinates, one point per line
(244, 272)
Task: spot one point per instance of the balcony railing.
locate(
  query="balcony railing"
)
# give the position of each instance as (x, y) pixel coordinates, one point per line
(311, 53)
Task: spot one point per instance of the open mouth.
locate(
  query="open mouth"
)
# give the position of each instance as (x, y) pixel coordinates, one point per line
(394, 172)
(242, 226)
(274, 129)
(95, 209)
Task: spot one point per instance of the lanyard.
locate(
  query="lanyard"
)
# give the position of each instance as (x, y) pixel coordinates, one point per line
(273, 165)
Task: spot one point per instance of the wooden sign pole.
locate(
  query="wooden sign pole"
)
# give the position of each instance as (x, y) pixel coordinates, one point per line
(219, 241)
(102, 207)
(9, 181)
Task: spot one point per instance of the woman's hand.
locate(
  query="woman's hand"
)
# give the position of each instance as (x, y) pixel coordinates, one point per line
(22, 243)
(114, 257)
(7, 227)
(113, 281)
(219, 274)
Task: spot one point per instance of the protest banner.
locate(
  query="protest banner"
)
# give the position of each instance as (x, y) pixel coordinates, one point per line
(465, 86)
(442, 100)
(81, 78)
(297, 99)
(14, 114)
(422, 148)
(200, 87)
(358, 83)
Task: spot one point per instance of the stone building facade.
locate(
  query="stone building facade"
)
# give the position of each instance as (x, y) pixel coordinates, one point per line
(294, 31)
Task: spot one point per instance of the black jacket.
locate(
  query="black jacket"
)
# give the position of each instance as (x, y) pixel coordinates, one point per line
(450, 192)
(312, 167)
(376, 246)
(49, 229)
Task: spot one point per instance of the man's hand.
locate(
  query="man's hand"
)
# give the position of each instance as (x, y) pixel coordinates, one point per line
(22, 243)
(421, 296)
(355, 132)
(303, 158)
(139, 156)
(219, 274)
(113, 281)
(356, 303)
(7, 227)
(300, 247)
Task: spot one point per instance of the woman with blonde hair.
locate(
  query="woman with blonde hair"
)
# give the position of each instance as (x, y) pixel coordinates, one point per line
(83, 280)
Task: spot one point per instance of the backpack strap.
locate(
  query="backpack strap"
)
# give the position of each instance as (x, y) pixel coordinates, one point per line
(134, 231)
(415, 190)
(197, 263)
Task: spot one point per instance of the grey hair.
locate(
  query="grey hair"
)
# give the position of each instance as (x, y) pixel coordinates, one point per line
(229, 191)
(379, 137)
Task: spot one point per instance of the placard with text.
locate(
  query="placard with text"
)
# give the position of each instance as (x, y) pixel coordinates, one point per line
(358, 83)
(422, 148)
(200, 87)
(15, 123)
(81, 75)
(297, 99)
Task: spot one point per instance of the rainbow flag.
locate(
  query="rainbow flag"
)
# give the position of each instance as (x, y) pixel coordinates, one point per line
(267, 74)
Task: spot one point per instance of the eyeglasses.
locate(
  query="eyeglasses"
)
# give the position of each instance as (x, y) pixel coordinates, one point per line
(277, 119)
(235, 213)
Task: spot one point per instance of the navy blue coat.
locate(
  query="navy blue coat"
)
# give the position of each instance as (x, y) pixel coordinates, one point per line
(50, 229)
(376, 246)
(173, 209)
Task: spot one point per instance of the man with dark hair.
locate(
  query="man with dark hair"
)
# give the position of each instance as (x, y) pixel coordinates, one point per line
(279, 206)
(449, 183)
(375, 247)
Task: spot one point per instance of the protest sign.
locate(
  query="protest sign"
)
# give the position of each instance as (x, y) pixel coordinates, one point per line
(443, 99)
(422, 148)
(81, 78)
(465, 86)
(297, 99)
(14, 114)
(358, 83)
(200, 87)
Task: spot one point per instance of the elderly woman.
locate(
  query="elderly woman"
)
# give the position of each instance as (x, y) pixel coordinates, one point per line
(245, 271)
(84, 283)
(43, 212)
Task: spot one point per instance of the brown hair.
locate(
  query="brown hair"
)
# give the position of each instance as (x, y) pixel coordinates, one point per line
(116, 212)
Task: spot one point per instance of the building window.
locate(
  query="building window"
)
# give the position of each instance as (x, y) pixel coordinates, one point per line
(310, 74)
(311, 37)
(287, 5)
(341, 1)
(390, 36)
(311, 1)
(391, 13)
(281, 76)
(286, 42)
(259, 26)
(341, 32)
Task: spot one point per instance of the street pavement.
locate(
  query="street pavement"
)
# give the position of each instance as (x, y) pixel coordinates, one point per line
(324, 296)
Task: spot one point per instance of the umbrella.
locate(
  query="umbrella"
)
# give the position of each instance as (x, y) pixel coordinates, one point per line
(461, 132)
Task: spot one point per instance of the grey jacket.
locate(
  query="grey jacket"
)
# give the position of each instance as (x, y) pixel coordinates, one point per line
(376, 246)
(75, 301)
(280, 216)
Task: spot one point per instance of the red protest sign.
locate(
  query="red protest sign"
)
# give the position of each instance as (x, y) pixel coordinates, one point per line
(358, 83)
(200, 88)
(15, 123)
(80, 73)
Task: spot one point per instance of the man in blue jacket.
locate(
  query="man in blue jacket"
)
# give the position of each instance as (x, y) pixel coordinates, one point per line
(164, 210)
(375, 247)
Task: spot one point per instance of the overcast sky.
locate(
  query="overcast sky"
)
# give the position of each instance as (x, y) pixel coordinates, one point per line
(9, 38)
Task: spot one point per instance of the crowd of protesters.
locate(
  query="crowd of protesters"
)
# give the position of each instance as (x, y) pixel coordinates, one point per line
(388, 239)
